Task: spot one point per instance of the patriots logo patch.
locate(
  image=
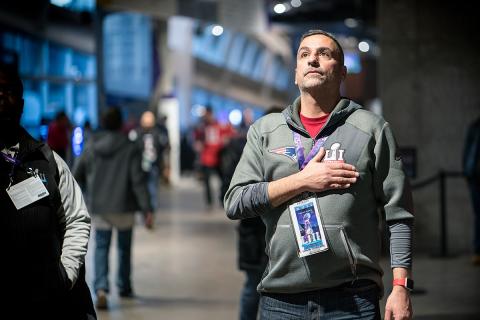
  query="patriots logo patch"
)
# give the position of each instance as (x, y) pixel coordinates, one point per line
(286, 151)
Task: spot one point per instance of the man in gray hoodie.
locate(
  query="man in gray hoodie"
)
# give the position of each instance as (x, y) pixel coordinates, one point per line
(110, 171)
(327, 154)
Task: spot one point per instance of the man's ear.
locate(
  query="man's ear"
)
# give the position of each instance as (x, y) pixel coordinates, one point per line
(295, 77)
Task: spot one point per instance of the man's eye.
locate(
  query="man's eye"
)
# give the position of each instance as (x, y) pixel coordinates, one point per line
(325, 54)
(303, 54)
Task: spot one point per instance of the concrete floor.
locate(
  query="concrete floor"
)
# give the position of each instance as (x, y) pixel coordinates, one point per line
(186, 269)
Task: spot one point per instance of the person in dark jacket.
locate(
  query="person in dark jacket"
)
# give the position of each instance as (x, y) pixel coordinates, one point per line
(110, 171)
(471, 168)
(152, 142)
(44, 220)
(251, 232)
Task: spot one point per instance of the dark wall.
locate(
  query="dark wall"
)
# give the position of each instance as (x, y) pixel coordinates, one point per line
(428, 80)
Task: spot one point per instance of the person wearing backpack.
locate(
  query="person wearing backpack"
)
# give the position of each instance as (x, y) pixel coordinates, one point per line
(44, 220)
(109, 170)
(471, 169)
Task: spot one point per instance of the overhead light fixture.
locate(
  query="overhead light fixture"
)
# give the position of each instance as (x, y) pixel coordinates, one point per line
(363, 46)
(61, 3)
(280, 8)
(351, 23)
(217, 30)
(235, 117)
(296, 3)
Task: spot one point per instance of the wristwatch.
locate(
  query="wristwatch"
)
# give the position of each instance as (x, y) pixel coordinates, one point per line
(404, 282)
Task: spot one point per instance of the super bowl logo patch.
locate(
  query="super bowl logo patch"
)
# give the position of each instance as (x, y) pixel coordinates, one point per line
(334, 154)
(286, 151)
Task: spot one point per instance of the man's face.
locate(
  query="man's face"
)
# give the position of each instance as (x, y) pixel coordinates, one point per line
(318, 64)
(11, 102)
(11, 108)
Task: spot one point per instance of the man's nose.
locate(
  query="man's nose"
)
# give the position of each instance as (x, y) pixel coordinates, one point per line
(313, 60)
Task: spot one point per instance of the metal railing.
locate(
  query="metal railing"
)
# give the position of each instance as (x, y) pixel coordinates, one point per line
(441, 176)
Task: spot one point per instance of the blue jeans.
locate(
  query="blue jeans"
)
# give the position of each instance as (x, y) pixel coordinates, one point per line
(357, 301)
(250, 296)
(475, 195)
(208, 172)
(102, 249)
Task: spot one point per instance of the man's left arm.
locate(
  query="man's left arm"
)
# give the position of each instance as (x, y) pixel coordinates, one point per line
(393, 192)
(398, 304)
(73, 215)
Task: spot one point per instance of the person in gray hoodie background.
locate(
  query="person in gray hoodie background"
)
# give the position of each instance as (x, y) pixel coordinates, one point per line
(325, 153)
(109, 171)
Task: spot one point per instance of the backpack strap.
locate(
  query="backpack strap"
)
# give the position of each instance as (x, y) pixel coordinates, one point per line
(55, 198)
(52, 164)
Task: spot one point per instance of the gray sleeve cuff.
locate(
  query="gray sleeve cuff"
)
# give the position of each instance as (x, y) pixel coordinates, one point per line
(401, 243)
(249, 201)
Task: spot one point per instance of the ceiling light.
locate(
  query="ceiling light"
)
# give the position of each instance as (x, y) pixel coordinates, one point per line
(61, 3)
(235, 117)
(296, 3)
(351, 23)
(217, 30)
(280, 8)
(363, 46)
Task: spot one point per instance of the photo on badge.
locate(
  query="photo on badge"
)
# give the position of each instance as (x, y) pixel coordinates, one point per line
(308, 227)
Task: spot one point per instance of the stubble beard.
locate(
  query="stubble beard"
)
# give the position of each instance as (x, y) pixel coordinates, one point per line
(316, 84)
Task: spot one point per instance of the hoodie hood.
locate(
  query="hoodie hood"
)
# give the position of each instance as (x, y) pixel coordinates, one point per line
(342, 110)
(107, 143)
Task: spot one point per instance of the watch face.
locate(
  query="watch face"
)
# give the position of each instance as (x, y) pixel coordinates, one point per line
(409, 284)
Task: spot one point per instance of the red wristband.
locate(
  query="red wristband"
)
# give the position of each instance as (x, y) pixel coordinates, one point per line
(404, 282)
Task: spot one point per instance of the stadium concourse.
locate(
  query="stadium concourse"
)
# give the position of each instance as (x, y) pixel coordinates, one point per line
(186, 269)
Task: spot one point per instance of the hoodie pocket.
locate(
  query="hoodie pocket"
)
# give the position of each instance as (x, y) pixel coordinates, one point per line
(338, 262)
(284, 268)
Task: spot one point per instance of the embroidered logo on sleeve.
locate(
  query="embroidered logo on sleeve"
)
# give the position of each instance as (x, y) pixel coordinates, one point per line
(286, 151)
(334, 154)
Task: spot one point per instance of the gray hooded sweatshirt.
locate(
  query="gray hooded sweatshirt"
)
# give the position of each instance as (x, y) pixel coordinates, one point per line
(351, 217)
(110, 171)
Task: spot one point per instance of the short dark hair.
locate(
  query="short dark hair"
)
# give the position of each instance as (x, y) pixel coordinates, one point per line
(112, 119)
(10, 73)
(328, 35)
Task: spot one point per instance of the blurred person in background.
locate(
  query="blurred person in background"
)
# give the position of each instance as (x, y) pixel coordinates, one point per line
(110, 172)
(233, 147)
(152, 142)
(471, 169)
(58, 137)
(210, 137)
(87, 131)
(165, 150)
(43, 240)
(327, 156)
(251, 232)
(188, 157)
